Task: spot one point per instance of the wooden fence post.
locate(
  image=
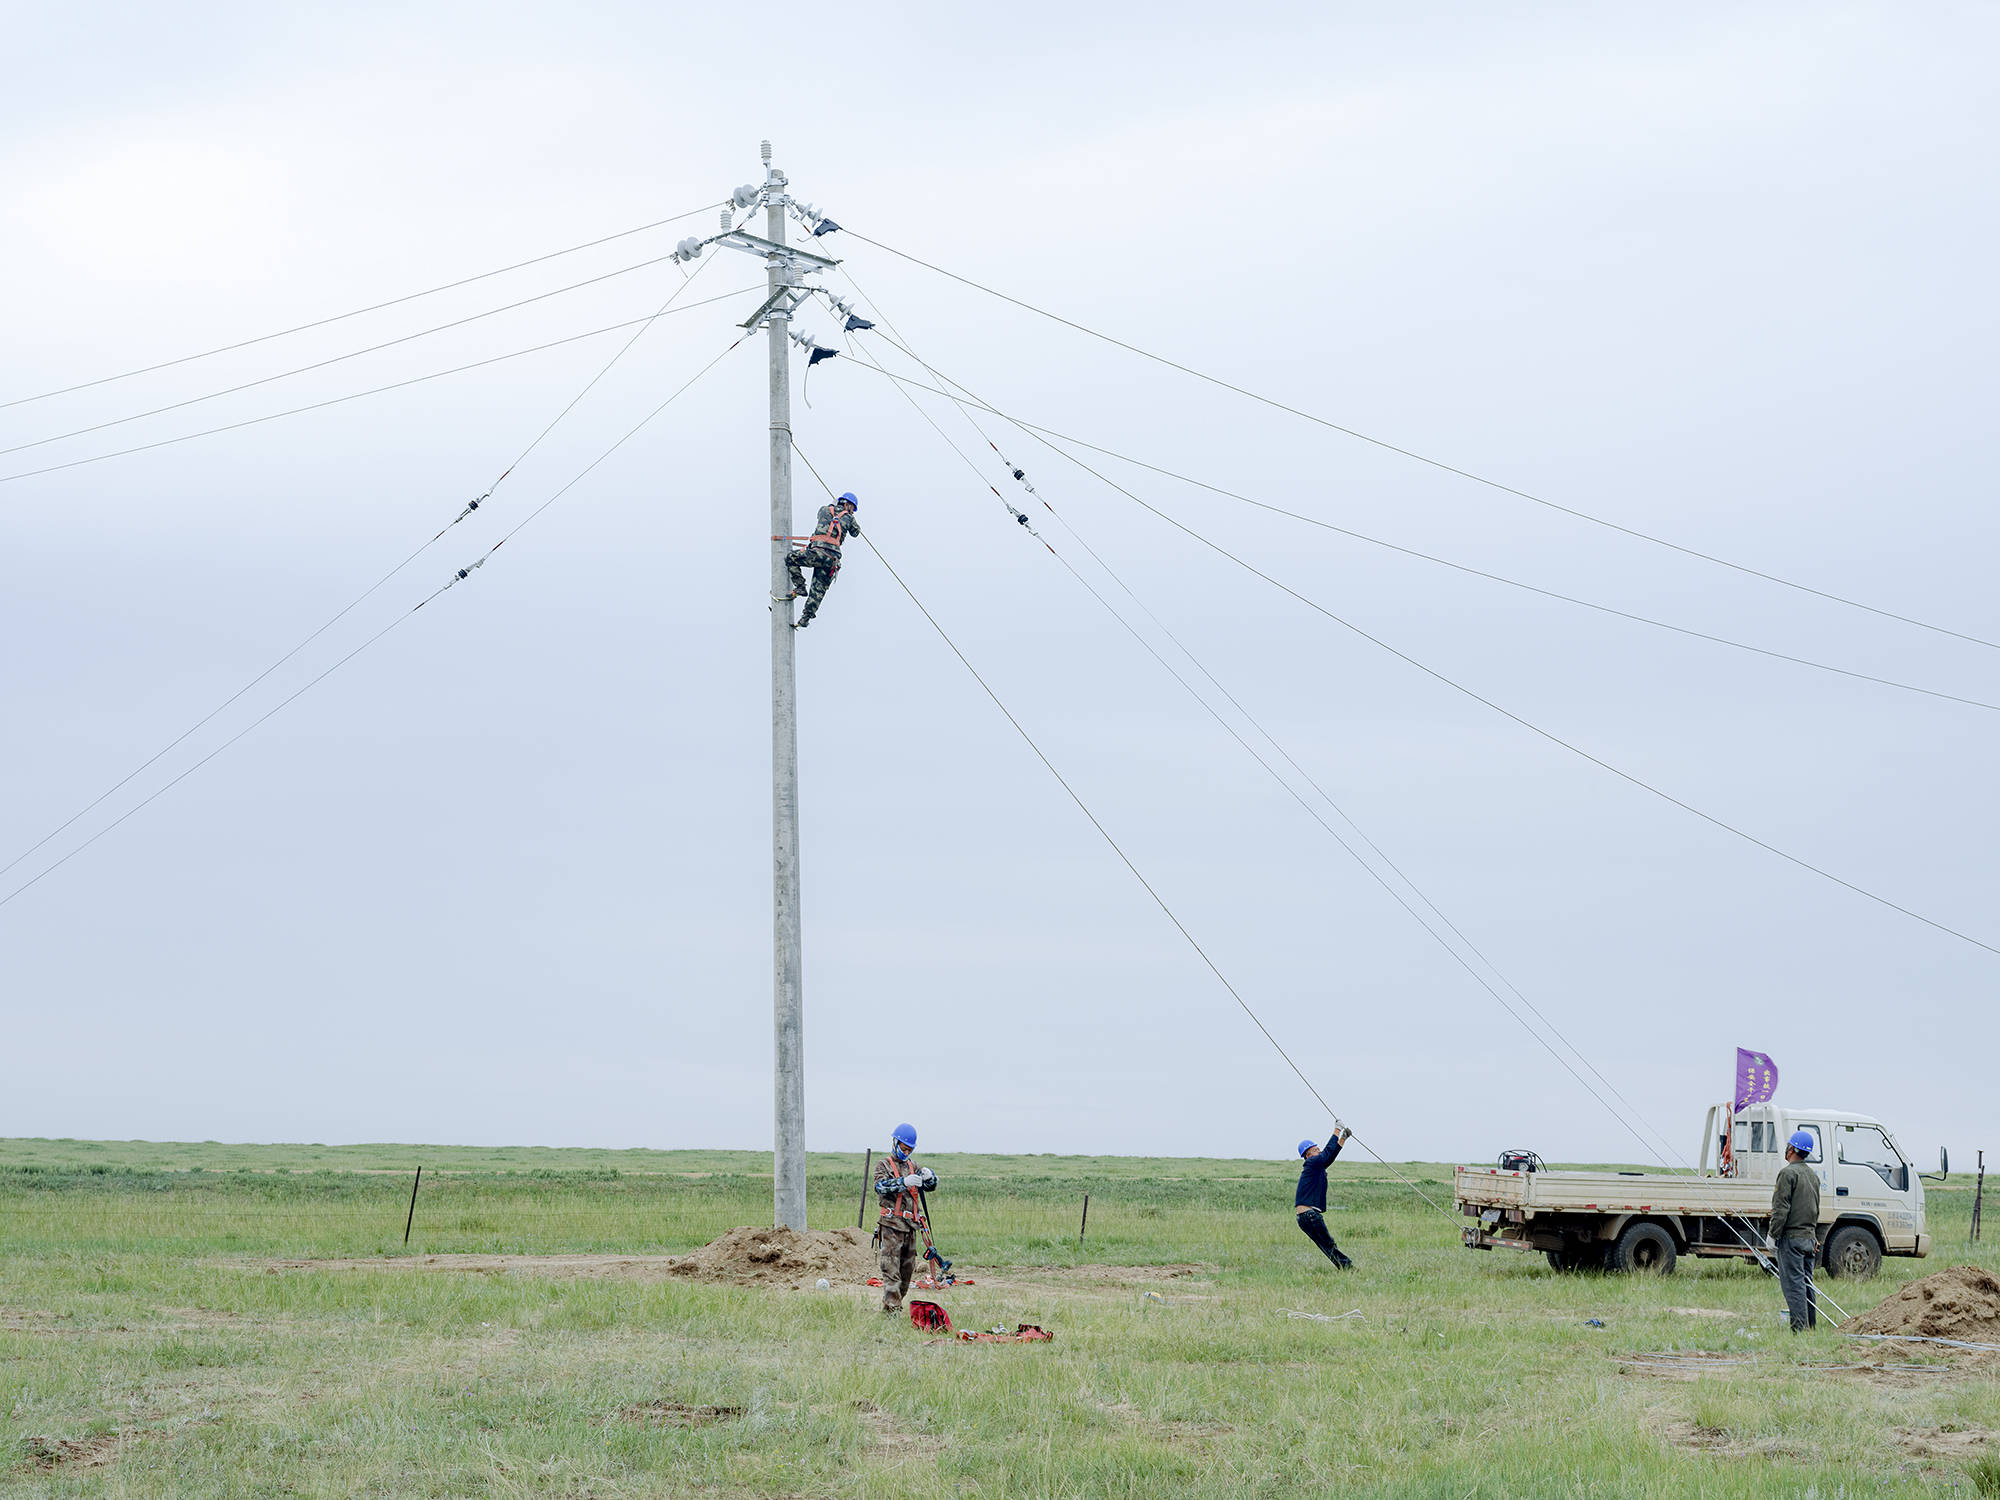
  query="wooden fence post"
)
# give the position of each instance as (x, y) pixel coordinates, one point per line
(412, 1219)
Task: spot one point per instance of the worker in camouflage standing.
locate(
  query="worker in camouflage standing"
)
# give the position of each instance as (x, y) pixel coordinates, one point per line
(1309, 1202)
(821, 553)
(1795, 1229)
(899, 1187)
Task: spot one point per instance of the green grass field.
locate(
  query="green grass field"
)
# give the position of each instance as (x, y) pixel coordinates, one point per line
(148, 1346)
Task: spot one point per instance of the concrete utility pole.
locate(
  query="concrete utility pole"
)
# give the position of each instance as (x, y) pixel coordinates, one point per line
(787, 267)
(788, 1165)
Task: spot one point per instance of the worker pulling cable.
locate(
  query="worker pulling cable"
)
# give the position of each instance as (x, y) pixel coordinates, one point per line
(1624, 1112)
(1124, 858)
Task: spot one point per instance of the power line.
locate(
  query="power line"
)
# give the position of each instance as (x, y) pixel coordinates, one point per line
(321, 364)
(264, 338)
(1744, 1230)
(1625, 1119)
(1443, 562)
(1458, 687)
(1117, 849)
(155, 795)
(1435, 463)
(459, 577)
(358, 599)
(398, 385)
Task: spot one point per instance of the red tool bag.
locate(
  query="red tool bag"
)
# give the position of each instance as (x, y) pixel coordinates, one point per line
(929, 1317)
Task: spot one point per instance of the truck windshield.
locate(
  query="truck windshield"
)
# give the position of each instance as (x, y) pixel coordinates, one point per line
(1866, 1146)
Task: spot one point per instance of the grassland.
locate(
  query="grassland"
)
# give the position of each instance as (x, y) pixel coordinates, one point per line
(143, 1324)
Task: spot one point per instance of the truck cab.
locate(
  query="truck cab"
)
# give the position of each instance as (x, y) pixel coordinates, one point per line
(1865, 1178)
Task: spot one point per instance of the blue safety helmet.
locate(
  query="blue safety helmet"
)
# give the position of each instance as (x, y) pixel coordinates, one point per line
(1306, 1146)
(905, 1133)
(1802, 1142)
(849, 498)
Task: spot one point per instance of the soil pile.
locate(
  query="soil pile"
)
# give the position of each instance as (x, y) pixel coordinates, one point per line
(1960, 1303)
(781, 1257)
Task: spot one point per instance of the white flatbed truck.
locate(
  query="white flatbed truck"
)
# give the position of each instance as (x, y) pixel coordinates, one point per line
(1871, 1199)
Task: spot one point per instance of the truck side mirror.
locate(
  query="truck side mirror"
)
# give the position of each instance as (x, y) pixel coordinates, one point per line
(1944, 1167)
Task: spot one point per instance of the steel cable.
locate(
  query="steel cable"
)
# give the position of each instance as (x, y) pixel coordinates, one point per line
(358, 599)
(456, 578)
(1118, 850)
(478, 364)
(1434, 463)
(1746, 1233)
(1054, 446)
(265, 338)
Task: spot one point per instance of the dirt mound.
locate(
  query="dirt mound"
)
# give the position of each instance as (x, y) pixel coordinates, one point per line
(50, 1453)
(678, 1414)
(781, 1257)
(1960, 1303)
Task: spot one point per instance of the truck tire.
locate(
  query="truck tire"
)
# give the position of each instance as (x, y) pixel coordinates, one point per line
(1644, 1246)
(1852, 1253)
(1576, 1255)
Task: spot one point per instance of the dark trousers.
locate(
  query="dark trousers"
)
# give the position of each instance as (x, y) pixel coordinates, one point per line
(1313, 1222)
(897, 1260)
(825, 563)
(1795, 1274)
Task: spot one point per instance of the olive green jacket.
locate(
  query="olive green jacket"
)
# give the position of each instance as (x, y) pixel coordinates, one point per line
(1795, 1202)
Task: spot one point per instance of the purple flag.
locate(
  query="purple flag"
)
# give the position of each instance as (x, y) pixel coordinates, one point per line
(1756, 1078)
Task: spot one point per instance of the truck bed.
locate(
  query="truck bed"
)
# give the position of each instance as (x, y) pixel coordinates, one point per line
(1532, 1193)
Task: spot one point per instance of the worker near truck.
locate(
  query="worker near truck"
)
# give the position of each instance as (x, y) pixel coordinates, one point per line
(1795, 1229)
(899, 1188)
(1309, 1202)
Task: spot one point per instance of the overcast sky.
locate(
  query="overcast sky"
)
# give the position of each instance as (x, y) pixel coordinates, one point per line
(1722, 275)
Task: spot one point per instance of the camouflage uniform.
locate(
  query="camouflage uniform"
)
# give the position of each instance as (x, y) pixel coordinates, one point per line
(897, 1230)
(821, 553)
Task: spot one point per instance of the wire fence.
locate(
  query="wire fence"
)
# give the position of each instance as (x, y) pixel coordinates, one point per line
(344, 1214)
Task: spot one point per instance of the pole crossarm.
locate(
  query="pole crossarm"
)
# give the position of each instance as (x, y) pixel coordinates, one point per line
(789, 257)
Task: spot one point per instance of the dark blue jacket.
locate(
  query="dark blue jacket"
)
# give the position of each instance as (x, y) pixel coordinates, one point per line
(1312, 1177)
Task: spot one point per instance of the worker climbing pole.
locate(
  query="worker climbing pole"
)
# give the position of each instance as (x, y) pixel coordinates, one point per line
(787, 268)
(821, 553)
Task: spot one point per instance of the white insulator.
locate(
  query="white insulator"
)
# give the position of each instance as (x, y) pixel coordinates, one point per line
(727, 222)
(688, 248)
(744, 196)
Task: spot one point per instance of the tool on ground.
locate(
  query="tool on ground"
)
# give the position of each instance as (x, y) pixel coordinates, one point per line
(1024, 1333)
(942, 1273)
(928, 1317)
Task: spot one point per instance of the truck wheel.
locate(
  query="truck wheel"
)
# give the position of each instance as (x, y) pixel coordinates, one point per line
(1575, 1256)
(1852, 1253)
(1643, 1247)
